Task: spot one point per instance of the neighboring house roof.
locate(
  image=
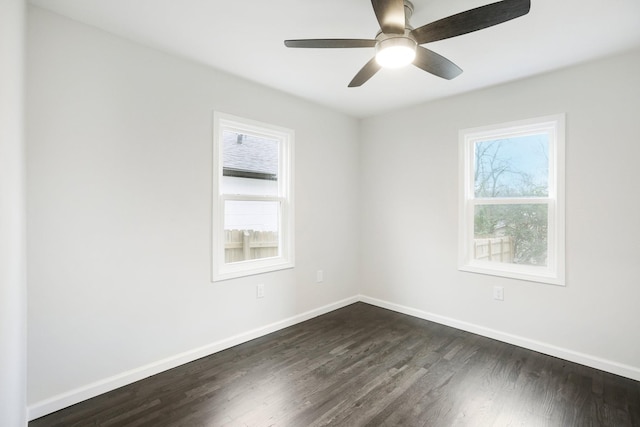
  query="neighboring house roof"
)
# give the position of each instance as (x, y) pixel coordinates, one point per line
(248, 155)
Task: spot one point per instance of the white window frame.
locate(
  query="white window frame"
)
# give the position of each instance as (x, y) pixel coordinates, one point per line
(554, 272)
(285, 259)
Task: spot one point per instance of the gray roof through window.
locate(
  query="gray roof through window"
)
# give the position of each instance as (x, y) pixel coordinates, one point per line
(250, 153)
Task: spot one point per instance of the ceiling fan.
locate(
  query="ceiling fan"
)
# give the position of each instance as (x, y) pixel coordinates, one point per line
(398, 44)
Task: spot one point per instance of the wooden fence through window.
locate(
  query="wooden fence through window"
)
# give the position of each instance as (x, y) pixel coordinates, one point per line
(244, 245)
(498, 249)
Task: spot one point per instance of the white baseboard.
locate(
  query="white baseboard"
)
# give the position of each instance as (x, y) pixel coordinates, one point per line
(80, 394)
(562, 353)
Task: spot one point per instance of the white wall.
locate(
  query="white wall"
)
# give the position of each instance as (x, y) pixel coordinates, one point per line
(12, 233)
(409, 163)
(119, 209)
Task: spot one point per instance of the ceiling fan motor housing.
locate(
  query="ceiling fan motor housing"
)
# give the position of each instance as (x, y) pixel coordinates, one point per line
(395, 50)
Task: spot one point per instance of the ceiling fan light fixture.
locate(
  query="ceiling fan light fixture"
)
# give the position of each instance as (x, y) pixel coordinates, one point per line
(398, 43)
(395, 52)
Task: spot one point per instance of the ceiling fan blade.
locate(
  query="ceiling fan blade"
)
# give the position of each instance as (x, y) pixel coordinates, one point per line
(390, 14)
(330, 43)
(436, 64)
(472, 20)
(365, 73)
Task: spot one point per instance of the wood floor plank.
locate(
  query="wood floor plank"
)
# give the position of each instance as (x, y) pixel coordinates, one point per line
(363, 365)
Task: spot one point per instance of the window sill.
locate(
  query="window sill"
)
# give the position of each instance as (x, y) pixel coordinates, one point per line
(529, 274)
(242, 269)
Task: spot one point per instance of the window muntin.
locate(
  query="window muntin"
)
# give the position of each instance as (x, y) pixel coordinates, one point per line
(512, 207)
(252, 209)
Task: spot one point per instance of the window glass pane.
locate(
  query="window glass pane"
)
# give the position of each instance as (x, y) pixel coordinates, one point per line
(249, 164)
(515, 234)
(251, 230)
(512, 167)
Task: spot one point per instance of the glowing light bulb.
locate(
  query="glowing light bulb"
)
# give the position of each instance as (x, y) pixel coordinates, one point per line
(395, 52)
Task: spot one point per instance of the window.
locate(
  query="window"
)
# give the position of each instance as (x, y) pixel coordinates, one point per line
(512, 200)
(253, 197)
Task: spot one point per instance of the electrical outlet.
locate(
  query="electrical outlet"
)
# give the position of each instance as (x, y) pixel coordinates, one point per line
(260, 291)
(319, 276)
(498, 293)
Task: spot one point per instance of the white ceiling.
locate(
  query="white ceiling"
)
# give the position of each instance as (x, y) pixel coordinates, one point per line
(245, 38)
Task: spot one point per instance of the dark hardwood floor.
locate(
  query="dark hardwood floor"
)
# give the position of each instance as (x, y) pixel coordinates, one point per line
(363, 365)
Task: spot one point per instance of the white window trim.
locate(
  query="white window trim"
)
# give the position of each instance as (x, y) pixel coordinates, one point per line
(554, 272)
(286, 259)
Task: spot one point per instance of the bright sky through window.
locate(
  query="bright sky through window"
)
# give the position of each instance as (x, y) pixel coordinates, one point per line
(517, 166)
